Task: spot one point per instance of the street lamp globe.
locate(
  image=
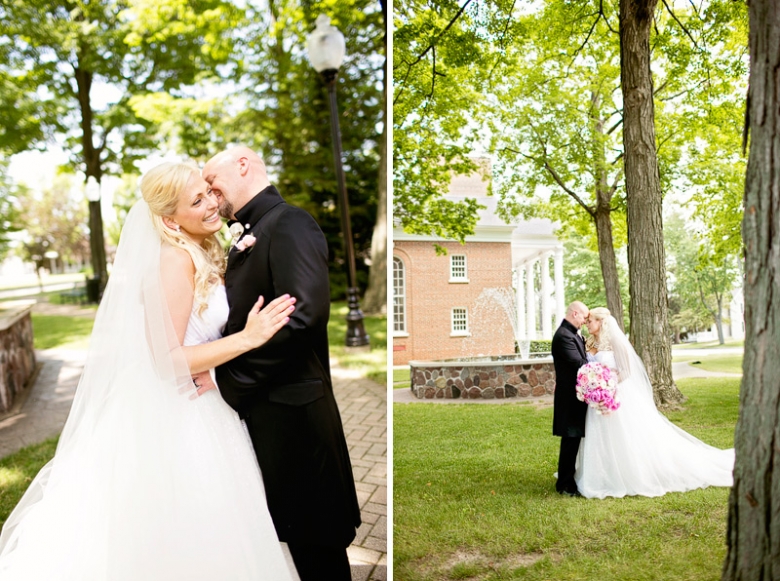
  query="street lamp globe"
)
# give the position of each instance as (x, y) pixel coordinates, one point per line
(325, 46)
(92, 189)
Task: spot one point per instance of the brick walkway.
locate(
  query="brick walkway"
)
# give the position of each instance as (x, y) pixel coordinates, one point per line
(363, 406)
(42, 413)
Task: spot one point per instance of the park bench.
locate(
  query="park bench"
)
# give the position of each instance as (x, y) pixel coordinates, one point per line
(78, 294)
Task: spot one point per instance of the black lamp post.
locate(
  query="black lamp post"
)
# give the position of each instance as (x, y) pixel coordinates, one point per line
(326, 50)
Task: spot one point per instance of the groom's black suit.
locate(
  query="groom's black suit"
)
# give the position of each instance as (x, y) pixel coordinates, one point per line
(283, 389)
(568, 351)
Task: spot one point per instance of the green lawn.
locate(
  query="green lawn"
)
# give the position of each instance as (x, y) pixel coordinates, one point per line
(401, 378)
(718, 363)
(371, 363)
(474, 498)
(710, 344)
(18, 470)
(61, 331)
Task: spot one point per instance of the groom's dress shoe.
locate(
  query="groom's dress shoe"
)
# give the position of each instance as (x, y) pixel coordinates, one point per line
(575, 493)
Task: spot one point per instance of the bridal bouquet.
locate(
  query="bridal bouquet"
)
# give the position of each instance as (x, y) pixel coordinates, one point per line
(597, 387)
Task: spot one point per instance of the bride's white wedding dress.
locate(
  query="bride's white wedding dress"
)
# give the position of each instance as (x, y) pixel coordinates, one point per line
(637, 451)
(146, 484)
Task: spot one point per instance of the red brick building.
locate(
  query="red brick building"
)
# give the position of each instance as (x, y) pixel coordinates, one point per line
(442, 308)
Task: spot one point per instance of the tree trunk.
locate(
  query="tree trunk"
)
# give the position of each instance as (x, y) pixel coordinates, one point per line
(646, 264)
(375, 299)
(92, 168)
(719, 320)
(753, 537)
(602, 216)
(608, 262)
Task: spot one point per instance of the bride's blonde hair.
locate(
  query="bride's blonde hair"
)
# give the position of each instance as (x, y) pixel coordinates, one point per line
(161, 188)
(602, 343)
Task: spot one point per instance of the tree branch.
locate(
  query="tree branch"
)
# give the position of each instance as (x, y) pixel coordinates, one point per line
(703, 302)
(677, 20)
(429, 48)
(604, 16)
(433, 74)
(613, 188)
(568, 190)
(615, 126)
(556, 177)
(661, 143)
(501, 45)
(587, 38)
(683, 92)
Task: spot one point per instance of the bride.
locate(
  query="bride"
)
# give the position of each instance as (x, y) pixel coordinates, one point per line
(149, 481)
(636, 450)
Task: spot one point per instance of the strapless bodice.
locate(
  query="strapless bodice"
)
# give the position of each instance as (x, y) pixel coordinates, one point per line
(209, 325)
(607, 358)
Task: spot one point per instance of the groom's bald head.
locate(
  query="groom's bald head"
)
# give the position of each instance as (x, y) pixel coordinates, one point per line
(577, 314)
(235, 175)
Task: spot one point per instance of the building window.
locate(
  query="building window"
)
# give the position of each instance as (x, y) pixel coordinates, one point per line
(458, 268)
(460, 322)
(399, 297)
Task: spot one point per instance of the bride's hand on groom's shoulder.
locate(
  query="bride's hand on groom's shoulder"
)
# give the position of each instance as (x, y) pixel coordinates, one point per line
(263, 323)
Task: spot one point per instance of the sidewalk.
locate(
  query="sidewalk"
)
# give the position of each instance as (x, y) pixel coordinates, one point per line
(363, 410)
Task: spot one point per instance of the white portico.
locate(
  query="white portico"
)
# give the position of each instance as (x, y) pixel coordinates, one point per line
(541, 304)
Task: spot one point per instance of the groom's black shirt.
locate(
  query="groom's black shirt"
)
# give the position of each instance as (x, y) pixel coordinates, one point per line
(568, 351)
(290, 256)
(283, 389)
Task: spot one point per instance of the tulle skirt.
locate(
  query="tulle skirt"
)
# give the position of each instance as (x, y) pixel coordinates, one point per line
(637, 451)
(158, 488)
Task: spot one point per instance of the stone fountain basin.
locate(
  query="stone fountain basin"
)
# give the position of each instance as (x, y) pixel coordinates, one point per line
(504, 376)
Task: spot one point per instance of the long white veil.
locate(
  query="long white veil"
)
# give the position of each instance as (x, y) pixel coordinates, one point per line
(134, 369)
(629, 364)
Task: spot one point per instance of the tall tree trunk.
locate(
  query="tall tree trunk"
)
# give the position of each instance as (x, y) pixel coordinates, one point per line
(719, 318)
(602, 214)
(608, 262)
(92, 168)
(753, 537)
(375, 299)
(646, 264)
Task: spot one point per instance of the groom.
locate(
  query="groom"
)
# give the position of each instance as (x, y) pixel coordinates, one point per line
(568, 352)
(283, 389)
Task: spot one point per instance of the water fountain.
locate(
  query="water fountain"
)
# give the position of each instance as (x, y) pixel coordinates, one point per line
(518, 375)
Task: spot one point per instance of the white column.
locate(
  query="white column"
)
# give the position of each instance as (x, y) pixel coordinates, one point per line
(546, 296)
(530, 301)
(560, 300)
(520, 302)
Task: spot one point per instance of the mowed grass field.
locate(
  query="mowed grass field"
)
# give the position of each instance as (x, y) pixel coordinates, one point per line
(474, 498)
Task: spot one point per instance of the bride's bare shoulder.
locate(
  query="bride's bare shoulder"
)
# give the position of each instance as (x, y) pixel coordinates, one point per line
(176, 266)
(176, 258)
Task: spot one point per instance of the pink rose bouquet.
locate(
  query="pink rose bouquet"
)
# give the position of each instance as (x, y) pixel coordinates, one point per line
(597, 387)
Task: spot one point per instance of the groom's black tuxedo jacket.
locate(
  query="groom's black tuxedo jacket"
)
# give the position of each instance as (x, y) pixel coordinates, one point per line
(283, 389)
(568, 351)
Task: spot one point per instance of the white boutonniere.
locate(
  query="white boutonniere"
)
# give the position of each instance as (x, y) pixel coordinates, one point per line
(236, 230)
(246, 242)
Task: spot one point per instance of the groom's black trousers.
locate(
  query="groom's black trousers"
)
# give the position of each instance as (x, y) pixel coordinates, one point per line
(320, 562)
(567, 460)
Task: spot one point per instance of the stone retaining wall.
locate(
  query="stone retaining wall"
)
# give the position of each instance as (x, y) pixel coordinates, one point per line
(488, 380)
(17, 355)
